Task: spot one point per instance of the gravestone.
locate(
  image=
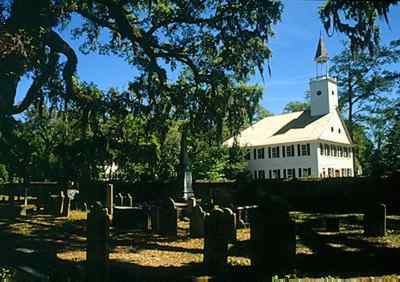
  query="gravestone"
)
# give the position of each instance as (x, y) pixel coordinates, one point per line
(61, 198)
(120, 199)
(130, 200)
(97, 262)
(110, 199)
(273, 237)
(215, 242)
(56, 204)
(168, 218)
(197, 219)
(375, 220)
(230, 224)
(155, 219)
(66, 205)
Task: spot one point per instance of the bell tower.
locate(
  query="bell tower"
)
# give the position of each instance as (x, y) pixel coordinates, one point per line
(323, 89)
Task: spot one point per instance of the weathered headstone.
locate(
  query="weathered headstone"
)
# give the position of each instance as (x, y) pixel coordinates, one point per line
(110, 199)
(155, 219)
(120, 199)
(66, 205)
(273, 237)
(168, 217)
(191, 202)
(97, 244)
(61, 198)
(375, 220)
(130, 200)
(197, 219)
(230, 224)
(215, 242)
(56, 204)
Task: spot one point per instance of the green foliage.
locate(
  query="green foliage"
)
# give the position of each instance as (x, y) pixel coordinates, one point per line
(357, 19)
(217, 163)
(296, 106)
(4, 177)
(366, 83)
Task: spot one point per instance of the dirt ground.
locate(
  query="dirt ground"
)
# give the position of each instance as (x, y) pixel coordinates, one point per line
(143, 256)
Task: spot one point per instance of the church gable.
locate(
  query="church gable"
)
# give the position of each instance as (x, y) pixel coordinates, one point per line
(335, 130)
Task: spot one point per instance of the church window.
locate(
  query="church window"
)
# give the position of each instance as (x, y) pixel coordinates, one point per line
(298, 150)
(321, 149)
(339, 131)
(346, 152)
(334, 151)
(332, 129)
(255, 174)
(290, 173)
(343, 172)
(323, 172)
(327, 151)
(283, 151)
(270, 174)
(329, 172)
(255, 154)
(299, 172)
(284, 173)
(304, 150)
(349, 172)
(275, 152)
(319, 92)
(276, 173)
(306, 172)
(261, 174)
(260, 153)
(269, 152)
(308, 149)
(290, 151)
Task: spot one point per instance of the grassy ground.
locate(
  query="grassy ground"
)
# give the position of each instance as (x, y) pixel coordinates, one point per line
(147, 257)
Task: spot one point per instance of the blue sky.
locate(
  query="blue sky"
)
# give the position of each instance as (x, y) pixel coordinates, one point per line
(292, 63)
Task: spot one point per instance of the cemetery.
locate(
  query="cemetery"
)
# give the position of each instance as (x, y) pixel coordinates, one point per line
(199, 141)
(58, 235)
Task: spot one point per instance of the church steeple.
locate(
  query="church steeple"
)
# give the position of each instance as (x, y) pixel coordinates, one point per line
(323, 89)
(321, 58)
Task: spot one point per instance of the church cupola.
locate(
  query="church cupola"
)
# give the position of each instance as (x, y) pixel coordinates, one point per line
(323, 89)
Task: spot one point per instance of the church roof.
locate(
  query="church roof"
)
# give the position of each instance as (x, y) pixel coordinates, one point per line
(291, 128)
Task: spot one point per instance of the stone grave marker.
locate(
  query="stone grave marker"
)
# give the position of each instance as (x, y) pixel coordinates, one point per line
(56, 204)
(120, 199)
(273, 237)
(66, 204)
(97, 262)
(155, 219)
(110, 199)
(215, 242)
(375, 220)
(230, 224)
(168, 218)
(197, 219)
(130, 199)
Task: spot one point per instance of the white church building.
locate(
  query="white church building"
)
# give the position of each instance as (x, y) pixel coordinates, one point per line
(310, 143)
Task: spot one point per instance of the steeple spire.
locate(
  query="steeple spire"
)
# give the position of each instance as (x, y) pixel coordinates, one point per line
(321, 57)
